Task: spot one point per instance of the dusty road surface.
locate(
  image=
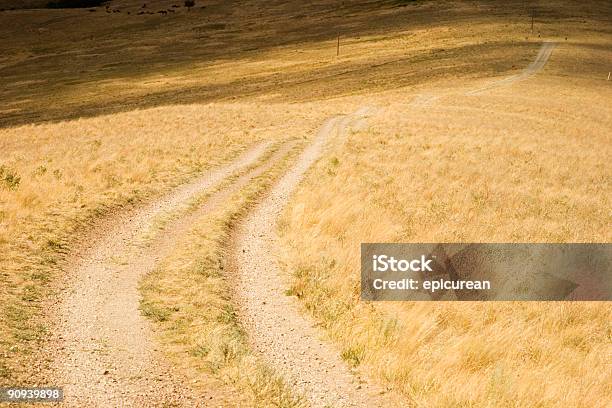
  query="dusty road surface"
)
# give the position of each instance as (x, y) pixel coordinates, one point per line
(427, 99)
(106, 355)
(278, 330)
(544, 53)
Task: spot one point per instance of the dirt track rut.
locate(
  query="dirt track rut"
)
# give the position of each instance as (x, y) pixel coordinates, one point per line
(536, 66)
(278, 330)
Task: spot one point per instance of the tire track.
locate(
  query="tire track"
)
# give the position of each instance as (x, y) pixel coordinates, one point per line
(278, 330)
(536, 66)
(105, 354)
(546, 49)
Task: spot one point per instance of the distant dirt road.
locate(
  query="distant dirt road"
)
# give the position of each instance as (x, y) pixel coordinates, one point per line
(278, 330)
(104, 352)
(541, 59)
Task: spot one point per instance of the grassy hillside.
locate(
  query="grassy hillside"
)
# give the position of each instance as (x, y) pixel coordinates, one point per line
(522, 163)
(104, 110)
(69, 63)
(24, 4)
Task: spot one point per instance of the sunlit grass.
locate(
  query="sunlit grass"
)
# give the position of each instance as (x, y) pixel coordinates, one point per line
(455, 172)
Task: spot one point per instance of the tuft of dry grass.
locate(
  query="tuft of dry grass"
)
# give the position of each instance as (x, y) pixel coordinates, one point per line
(513, 165)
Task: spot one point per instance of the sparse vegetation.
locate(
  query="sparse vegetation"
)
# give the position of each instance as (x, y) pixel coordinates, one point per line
(403, 3)
(9, 178)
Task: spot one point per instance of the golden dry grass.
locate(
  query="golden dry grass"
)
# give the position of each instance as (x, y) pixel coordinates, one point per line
(74, 63)
(500, 167)
(526, 163)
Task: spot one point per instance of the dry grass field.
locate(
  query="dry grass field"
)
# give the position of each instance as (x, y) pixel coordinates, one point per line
(101, 112)
(458, 175)
(72, 63)
(524, 163)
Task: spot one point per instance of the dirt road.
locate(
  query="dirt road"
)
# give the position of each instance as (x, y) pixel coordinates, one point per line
(537, 65)
(278, 330)
(105, 352)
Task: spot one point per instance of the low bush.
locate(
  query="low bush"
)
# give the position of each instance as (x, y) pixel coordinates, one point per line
(9, 179)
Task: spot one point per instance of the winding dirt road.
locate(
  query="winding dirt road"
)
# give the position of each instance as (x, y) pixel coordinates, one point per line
(536, 66)
(278, 329)
(544, 53)
(106, 354)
